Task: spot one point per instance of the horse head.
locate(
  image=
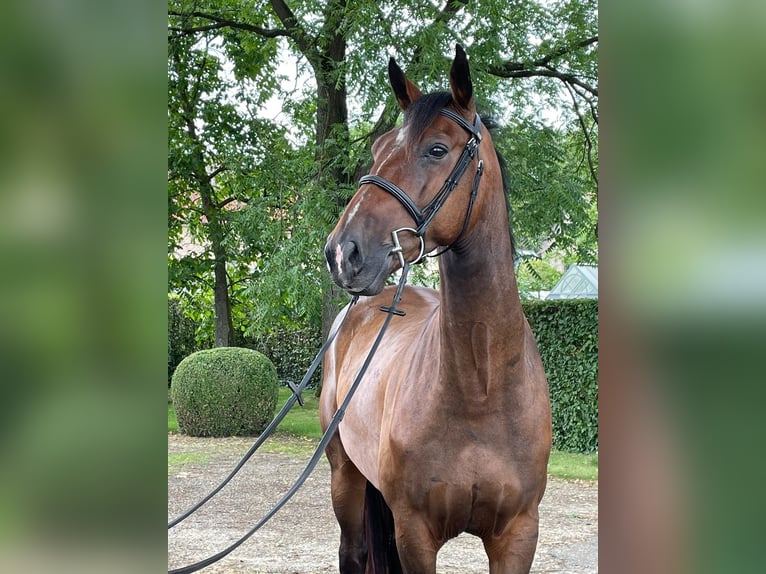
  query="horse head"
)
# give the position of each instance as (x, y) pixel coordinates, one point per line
(415, 198)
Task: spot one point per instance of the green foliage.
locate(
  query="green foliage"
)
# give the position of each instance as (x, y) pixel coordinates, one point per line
(224, 391)
(172, 419)
(551, 194)
(285, 289)
(278, 180)
(534, 275)
(291, 351)
(567, 336)
(181, 335)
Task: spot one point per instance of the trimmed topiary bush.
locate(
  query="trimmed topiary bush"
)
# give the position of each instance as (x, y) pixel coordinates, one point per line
(224, 392)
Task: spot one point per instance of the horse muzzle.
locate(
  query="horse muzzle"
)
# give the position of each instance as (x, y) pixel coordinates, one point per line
(356, 269)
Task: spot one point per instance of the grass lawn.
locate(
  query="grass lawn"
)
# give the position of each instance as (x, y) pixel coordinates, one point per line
(301, 421)
(299, 433)
(179, 459)
(573, 465)
(172, 421)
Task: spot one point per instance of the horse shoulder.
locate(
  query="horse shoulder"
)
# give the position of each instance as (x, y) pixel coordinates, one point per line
(367, 422)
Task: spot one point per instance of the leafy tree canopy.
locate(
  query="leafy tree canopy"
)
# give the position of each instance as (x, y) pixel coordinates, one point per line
(259, 191)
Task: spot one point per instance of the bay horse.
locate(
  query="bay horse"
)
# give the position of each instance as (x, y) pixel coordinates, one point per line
(450, 430)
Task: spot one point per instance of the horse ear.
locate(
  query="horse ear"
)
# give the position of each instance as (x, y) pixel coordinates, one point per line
(460, 80)
(406, 92)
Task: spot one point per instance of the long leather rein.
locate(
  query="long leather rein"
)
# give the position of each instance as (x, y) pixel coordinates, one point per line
(326, 437)
(423, 219)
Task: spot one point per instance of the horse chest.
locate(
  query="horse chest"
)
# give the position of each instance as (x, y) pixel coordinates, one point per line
(468, 488)
(463, 464)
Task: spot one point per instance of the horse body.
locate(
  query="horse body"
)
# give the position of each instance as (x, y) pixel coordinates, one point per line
(452, 421)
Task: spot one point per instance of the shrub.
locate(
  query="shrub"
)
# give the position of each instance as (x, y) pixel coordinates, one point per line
(291, 352)
(224, 391)
(567, 336)
(180, 336)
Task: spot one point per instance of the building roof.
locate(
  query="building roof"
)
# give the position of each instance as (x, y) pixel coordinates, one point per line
(578, 282)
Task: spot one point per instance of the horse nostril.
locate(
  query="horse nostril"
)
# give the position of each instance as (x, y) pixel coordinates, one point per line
(344, 259)
(353, 256)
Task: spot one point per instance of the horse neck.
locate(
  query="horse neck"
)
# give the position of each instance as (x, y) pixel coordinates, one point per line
(482, 322)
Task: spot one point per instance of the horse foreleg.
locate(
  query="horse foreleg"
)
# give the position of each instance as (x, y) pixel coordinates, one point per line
(348, 492)
(513, 551)
(416, 546)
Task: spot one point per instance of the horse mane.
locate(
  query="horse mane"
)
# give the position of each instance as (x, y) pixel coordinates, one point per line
(419, 115)
(506, 194)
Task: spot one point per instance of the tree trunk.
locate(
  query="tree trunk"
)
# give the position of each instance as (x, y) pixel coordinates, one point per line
(224, 329)
(332, 136)
(223, 324)
(332, 124)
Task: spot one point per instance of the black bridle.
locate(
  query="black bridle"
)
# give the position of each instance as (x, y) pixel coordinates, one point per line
(424, 217)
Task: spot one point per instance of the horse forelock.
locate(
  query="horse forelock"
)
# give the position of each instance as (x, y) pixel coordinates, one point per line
(422, 112)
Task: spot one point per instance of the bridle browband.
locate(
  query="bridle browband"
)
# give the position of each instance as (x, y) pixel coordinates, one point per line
(424, 217)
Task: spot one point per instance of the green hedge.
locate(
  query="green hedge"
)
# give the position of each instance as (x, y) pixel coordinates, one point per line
(226, 391)
(181, 330)
(567, 336)
(291, 352)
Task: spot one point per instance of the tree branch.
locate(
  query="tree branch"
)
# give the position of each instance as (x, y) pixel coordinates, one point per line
(586, 133)
(542, 68)
(306, 44)
(192, 207)
(216, 172)
(547, 73)
(562, 51)
(223, 23)
(451, 7)
(593, 111)
(191, 96)
(545, 60)
(228, 200)
(591, 104)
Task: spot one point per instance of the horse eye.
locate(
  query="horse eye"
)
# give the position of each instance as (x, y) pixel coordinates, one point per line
(438, 151)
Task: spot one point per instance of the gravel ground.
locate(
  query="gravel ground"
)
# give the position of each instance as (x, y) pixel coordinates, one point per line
(303, 537)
